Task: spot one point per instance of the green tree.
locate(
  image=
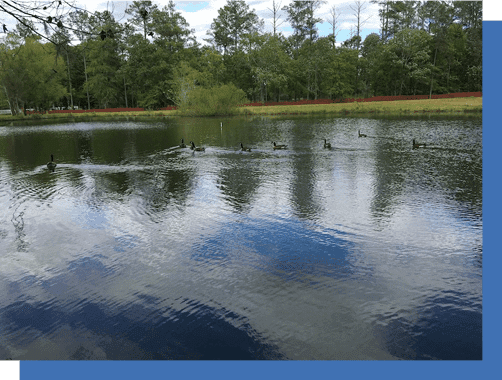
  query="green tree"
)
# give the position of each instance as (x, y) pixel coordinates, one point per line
(411, 60)
(141, 12)
(269, 63)
(352, 43)
(184, 82)
(398, 15)
(79, 21)
(31, 74)
(171, 28)
(341, 73)
(142, 71)
(369, 56)
(302, 20)
(455, 52)
(104, 83)
(238, 71)
(210, 63)
(470, 13)
(233, 22)
(473, 61)
(149, 66)
(312, 63)
(370, 45)
(62, 44)
(441, 15)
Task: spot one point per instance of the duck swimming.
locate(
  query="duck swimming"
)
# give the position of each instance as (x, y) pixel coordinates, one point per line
(245, 149)
(51, 164)
(279, 146)
(361, 134)
(327, 144)
(182, 145)
(197, 149)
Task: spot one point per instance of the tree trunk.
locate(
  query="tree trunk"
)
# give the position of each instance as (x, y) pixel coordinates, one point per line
(316, 83)
(448, 77)
(434, 65)
(11, 105)
(86, 86)
(125, 92)
(69, 79)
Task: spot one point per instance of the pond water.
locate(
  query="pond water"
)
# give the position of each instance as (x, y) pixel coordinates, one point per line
(133, 248)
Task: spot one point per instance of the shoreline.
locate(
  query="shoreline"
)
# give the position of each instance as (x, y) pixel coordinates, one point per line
(428, 108)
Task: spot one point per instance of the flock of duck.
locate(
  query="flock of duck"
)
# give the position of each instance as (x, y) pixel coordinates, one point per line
(52, 165)
(326, 145)
(202, 149)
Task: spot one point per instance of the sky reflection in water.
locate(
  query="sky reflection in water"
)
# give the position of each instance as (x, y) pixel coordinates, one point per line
(133, 249)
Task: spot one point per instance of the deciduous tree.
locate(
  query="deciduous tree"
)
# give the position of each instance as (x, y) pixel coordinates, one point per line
(31, 74)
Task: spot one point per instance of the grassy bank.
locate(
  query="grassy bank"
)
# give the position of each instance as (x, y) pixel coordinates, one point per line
(441, 107)
(452, 106)
(7, 120)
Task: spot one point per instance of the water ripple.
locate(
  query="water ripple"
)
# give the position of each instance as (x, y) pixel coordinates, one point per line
(135, 249)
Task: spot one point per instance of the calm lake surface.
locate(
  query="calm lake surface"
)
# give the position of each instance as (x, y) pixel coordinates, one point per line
(133, 248)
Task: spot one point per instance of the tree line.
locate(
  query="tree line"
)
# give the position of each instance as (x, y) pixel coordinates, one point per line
(152, 60)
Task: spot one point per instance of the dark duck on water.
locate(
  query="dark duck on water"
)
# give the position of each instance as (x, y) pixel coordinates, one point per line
(51, 164)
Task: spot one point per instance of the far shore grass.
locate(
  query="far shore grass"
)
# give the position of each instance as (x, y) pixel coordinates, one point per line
(451, 106)
(471, 106)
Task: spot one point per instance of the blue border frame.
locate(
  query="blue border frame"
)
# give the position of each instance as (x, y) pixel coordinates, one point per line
(492, 133)
(252, 370)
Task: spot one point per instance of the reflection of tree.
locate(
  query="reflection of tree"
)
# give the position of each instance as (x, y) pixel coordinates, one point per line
(105, 164)
(157, 187)
(461, 174)
(303, 187)
(454, 172)
(303, 183)
(239, 183)
(83, 146)
(109, 184)
(18, 222)
(25, 150)
(165, 187)
(108, 146)
(389, 179)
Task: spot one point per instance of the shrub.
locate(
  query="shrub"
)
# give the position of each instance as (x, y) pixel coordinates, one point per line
(218, 100)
